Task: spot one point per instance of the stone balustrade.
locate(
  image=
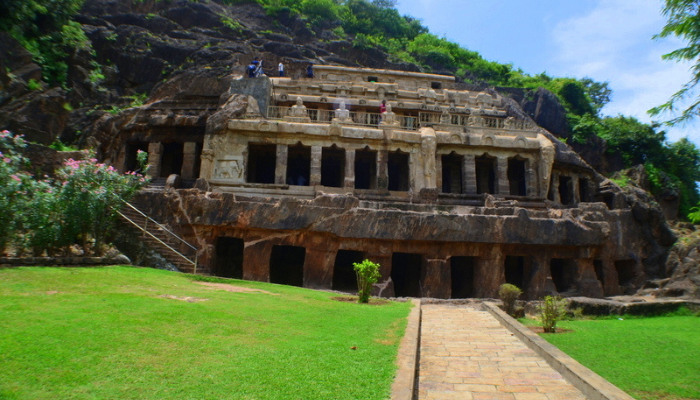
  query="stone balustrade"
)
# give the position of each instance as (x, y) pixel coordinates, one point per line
(363, 118)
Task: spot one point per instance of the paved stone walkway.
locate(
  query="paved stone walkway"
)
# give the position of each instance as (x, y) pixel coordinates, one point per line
(467, 354)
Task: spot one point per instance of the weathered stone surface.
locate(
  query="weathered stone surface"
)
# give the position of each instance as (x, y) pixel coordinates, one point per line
(40, 116)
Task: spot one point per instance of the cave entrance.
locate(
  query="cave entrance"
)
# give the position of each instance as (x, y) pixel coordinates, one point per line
(566, 190)
(229, 257)
(344, 277)
(261, 163)
(516, 177)
(583, 191)
(514, 268)
(405, 272)
(287, 265)
(563, 272)
(626, 271)
(398, 171)
(299, 165)
(131, 162)
(171, 160)
(485, 174)
(332, 166)
(462, 272)
(365, 169)
(452, 173)
(599, 272)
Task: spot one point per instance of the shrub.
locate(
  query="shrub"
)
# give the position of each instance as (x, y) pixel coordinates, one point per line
(367, 275)
(552, 310)
(509, 294)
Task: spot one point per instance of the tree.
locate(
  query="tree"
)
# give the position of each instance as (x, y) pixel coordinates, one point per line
(683, 22)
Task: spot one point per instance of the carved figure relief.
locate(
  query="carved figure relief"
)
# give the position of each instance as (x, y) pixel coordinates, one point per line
(230, 168)
(428, 146)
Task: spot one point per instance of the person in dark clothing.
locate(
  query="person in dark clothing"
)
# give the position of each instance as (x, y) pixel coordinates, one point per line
(310, 71)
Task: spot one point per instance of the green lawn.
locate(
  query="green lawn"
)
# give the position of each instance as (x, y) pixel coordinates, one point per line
(649, 358)
(127, 333)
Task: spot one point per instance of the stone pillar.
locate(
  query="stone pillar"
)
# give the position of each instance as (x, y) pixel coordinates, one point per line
(555, 188)
(316, 153)
(436, 279)
(155, 152)
(438, 172)
(575, 189)
(469, 174)
(587, 282)
(349, 169)
(318, 267)
(489, 274)
(189, 159)
(207, 165)
(530, 181)
(257, 268)
(382, 170)
(385, 286)
(540, 283)
(281, 164)
(503, 188)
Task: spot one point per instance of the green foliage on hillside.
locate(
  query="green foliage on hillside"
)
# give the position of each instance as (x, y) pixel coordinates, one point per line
(45, 28)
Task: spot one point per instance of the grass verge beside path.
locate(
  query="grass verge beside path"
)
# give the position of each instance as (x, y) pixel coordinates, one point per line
(649, 358)
(136, 333)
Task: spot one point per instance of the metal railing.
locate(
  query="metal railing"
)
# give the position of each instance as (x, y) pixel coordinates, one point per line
(363, 118)
(163, 229)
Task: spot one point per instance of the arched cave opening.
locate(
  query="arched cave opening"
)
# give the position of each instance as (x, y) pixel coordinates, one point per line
(262, 159)
(333, 167)
(514, 268)
(287, 265)
(229, 257)
(566, 190)
(406, 274)
(365, 169)
(516, 177)
(344, 277)
(299, 165)
(563, 272)
(171, 159)
(398, 171)
(462, 273)
(452, 173)
(485, 174)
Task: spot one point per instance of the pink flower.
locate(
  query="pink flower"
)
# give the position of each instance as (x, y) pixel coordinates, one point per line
(7, 160)
(15, 177)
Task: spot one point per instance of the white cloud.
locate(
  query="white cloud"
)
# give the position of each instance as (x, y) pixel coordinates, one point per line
(613, 43)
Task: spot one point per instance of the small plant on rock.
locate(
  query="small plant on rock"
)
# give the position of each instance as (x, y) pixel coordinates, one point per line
(367, 275)
(552, 310)
(509, 294)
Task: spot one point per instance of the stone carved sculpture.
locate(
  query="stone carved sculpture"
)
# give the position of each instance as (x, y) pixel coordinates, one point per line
(445, 118)
(427, 147)
(342, 114)
(389, 117)
(298, 112)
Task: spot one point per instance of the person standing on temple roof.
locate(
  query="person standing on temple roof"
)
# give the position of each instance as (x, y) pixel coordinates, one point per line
(250, 69)
(382, 107)
(280, 68)
(310, 71)
(259, 70)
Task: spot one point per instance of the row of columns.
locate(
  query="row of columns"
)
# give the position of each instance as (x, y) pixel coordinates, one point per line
(468, 170)
(189, 159)
(575, 188)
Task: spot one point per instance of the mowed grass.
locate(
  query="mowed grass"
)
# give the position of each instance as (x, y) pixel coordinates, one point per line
(649, 358)
(123, 333)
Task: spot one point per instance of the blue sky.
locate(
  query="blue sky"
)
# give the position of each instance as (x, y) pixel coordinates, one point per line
(606, 40)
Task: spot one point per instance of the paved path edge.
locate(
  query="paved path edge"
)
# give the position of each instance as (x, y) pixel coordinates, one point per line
(591, 384)
(408, 355)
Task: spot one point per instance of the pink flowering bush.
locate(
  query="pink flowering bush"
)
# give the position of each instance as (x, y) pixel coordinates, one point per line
(14, 186)
(77, 207)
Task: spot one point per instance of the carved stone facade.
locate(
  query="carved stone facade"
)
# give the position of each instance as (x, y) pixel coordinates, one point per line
(446, 188)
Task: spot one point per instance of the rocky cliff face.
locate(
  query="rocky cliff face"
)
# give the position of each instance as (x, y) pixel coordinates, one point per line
(189, 52)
